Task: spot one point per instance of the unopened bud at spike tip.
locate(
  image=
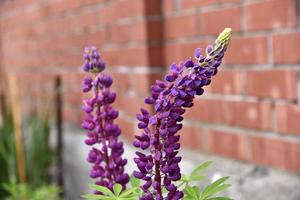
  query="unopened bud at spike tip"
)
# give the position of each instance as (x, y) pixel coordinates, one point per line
(224, 37)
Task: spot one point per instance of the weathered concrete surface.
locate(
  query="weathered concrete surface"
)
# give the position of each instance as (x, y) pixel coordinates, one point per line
(249, 182)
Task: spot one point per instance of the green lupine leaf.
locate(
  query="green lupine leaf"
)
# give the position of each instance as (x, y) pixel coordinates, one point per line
(218, 182)
(200, 168)
(164, 191)
(184, 178)
(102, 189)
(117, 189)
(217, 186)
(188, 198)
(218, 189)
(192, 192)
(134, 181)
(93, 196)
(220, 198)
(131, 191)
(197, 178)
(196, 190)
(126, 198)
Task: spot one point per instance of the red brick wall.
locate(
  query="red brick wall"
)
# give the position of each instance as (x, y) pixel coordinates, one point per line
(250, 112)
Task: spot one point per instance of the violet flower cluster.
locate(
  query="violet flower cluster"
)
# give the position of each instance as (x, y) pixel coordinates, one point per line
(160, 168)
(102, 133)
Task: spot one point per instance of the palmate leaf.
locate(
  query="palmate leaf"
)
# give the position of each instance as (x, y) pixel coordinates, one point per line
(116, 194)
(209, 192)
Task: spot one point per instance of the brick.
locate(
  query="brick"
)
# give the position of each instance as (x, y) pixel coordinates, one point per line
(41, 80)
(178, 52)
(247, 50)
(204, 110)
(139, 31)
(232, 145)
(142, 82)
(255, 115)
(272, 83)
(96, 38)
(133, 56)
(73, 116)
(286, 48)
(71, 81)
(276, 153)
(121, 82)
(108, 14)
(91, 2)
(58, 7)
(147, 30)
(190, 137)
(168, 6)
(81, 40)
(154, 30)
(130, 104)
(127, 127)
(152, 7)
(197, 3)
(121, 33)
(228, 1)
(279, 14)
(130, 8)
(73, 4)
(226, 82)
(70, 59)
(73, 99)
(88, 19)
(287, 118)
(180, 26)
(126, 56)
(215, 21)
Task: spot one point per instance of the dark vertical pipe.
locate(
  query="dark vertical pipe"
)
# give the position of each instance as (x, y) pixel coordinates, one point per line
(59, 122)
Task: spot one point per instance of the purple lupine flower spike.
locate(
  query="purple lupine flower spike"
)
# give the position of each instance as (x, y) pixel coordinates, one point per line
(102, 133)
(160, 169)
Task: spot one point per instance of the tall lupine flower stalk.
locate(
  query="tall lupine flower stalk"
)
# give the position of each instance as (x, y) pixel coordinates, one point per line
(102, 133)
(160, 169)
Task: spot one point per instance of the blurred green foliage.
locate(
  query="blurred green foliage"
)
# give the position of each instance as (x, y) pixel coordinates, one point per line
(38, 155)
(20, 191)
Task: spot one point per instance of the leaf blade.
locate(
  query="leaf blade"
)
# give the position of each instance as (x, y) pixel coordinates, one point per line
(200, 168)
(102, 189)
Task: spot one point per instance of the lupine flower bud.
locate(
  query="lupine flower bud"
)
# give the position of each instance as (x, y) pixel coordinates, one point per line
(170, 99)
(102, 132)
